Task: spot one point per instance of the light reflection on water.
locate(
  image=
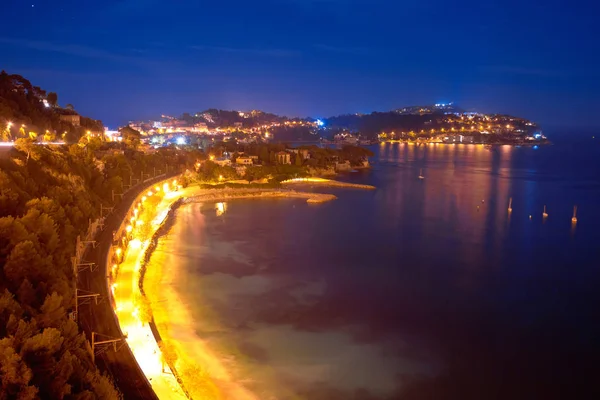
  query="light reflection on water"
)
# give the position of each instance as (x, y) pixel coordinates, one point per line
(421, 286)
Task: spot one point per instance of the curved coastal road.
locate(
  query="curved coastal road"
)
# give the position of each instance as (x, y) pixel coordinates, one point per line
(121, 365)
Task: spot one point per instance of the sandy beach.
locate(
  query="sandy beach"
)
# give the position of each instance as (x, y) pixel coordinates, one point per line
(204, 373)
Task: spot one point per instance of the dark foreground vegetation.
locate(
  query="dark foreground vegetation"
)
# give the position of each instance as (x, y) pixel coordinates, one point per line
(48, 196)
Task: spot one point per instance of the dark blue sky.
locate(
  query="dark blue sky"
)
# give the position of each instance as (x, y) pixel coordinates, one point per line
(131, 59)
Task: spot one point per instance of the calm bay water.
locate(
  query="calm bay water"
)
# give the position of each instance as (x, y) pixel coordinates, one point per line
(422, 289)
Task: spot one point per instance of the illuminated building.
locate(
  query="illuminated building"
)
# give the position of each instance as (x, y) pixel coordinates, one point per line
(73, 119)
(283, 157)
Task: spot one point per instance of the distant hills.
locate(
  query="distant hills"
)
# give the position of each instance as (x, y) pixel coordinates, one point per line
(413, 121)
(27, 110)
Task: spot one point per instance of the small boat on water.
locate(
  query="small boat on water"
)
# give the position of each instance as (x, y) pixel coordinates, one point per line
(574, 219)
(510, 205)
(421, 176)
(545, 214)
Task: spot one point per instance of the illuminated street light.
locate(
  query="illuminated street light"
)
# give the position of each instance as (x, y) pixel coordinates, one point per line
(129, 228)
(221, 208)
(150, 193)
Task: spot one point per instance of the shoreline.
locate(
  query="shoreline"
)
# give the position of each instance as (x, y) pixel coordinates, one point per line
(193, 378)
(207, 375)
(147, 255)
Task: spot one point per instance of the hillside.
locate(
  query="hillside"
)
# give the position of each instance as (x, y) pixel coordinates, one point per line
(48, 197)
(435, 122)
(29, 111)
(401, 124)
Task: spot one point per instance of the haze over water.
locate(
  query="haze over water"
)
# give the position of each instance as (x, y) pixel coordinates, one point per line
(409, 291)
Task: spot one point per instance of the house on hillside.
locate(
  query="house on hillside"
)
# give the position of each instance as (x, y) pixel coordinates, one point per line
(244, 161)
(304, 153)
(283, 157)
(222, 161)
(73, 119)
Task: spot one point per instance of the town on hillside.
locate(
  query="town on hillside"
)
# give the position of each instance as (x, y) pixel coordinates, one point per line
(29, 112)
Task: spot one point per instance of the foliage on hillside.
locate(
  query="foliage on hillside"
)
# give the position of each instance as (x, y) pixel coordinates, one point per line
(304, 161)
(318, 156)
(372, 124)
(47, 197)
(23, 110)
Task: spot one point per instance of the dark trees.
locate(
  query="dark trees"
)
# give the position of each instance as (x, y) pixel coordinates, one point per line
(52, 99)
(131, 137)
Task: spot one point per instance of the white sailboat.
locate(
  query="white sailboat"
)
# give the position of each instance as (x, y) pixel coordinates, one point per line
(421, 176)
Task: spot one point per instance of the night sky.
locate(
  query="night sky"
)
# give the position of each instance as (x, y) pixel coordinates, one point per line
(134, 59)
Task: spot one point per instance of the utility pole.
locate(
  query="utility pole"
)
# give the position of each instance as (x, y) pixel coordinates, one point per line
(83, 266)
(102, 345)
(80, 247)
(86, 298)
(102, 208)
(86, 242)
(115, 194)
